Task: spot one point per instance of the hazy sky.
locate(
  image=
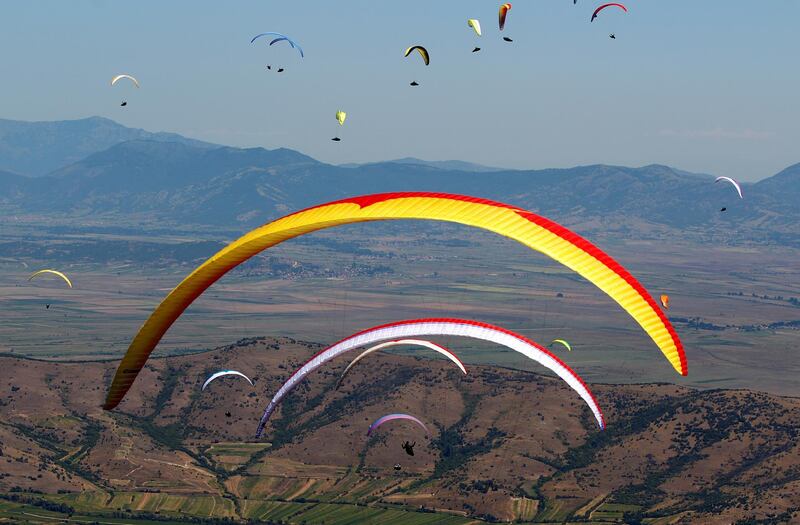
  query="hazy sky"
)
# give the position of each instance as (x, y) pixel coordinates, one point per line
(708, 86)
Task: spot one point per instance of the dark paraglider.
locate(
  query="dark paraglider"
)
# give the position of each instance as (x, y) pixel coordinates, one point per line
(476, 50)
(613, 36)
(124, 104)
(414, 84)
(507, 39)
(409, 447)
(336, 139)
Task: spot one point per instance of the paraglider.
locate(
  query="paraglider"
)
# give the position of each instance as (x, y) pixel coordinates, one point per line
(280, 38)
(475, 50)
(445, 327)
(119, 77)
(340, 118)
(665, 301)
(397, 466)
(507, 39)
(613, 36)
(532, 230)
(504, 9)
(51, 272)
(409, 447)
(724, 209)
(46, 306)
(393, 417)
(128, 77)
(735, 185)
(416, 342)
(422, 52)
(562, 343)
(604, 6)
(475, 25)
(222, 373)
(425, 58)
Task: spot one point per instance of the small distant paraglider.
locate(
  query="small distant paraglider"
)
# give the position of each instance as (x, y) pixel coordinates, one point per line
(735, 185)
(562, 343)
(413, 84)
(280, 38)
(604, 6)
(397, 466)
(422, 52)
(476, 50)
(665, 301)
(341, 116)
(504, 9)
(507, 39)
(403, 342)
(612, 36)
(475, 24)
(117, 78)
(391, 417)
(222, 373)
(51, 272)
(724, 209)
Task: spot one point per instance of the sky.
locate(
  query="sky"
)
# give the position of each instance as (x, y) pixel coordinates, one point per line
(709, 86)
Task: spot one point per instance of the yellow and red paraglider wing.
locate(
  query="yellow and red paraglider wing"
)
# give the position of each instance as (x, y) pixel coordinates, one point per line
(534, 231)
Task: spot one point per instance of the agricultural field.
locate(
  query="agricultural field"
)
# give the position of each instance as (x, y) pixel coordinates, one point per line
(727, 303)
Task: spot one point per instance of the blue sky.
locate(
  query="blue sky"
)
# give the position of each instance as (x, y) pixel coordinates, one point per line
(706, 86)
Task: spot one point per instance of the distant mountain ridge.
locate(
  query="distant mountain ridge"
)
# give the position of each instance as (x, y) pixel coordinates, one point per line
(184, 182)
(37, 148)
(458, 165)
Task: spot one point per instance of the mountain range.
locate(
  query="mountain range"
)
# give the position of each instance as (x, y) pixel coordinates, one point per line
(37, 148)
(103, 168)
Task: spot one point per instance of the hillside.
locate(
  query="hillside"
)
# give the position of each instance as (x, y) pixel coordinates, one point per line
(506, 444)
